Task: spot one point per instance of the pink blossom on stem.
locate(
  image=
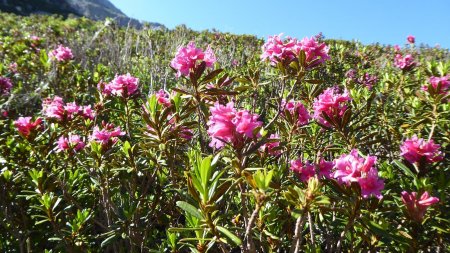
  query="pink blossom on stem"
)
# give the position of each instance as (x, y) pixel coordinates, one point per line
(25, 125)
(417, 149)
(411, 39)
(71, 110)
(106, 136)
(354, 168)
(325, 168)
(304, 171)
(417, 207)
(315, 53)
(73, 143)
(404, 63)
(87, 112)
(61, 53)
(272, 145)
(53, 108)
(278, 50)
(13, 67)
(228, 125)
(5, 86)
(122, 86)
(188, 58)
(332, 103)
(297, 111)
(246, 122)
(440, 85)
(163, 98)
(371, 184)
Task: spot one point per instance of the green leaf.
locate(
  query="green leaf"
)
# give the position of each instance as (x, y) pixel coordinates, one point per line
(126, 148)
(405, 169)
(205, 171)
(190, 209)
(230, 235)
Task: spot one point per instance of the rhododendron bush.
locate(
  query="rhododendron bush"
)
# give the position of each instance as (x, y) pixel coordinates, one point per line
(117, 140)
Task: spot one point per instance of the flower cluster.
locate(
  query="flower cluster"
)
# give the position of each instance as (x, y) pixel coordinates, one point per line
(121, 86)
(404, 62)
(5, 86)
(273, 146)
(296, 111)
(163, 98)
(440, 85)
(56, 109)
(315, 53)
(417, 207)
(227, 125)
(417, 149)
(411, 39)
(354, 168)
(26, 126)
(306, 170)
(72, 143)
(189, 58)
(106, 136)
(61, 53)
(332, 103)
(277, 50)
(366, 79)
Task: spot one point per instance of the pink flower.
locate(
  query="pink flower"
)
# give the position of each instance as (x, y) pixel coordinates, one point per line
(272, 145)
(315, 53)
(440, 85)
(246, 122)
(397, 48)
(56, 109)
(189, 58)
(122, 86)
(368, 80)
(87, 112)
(304, 171)
(106, 136)
(61, 53)
(411, 39)
(277, 50)
(297, 111)
(163, 98)
(228, 125)
(25, 125)
(35, 38)
(73, 142)
(325, 168)
(332, 103)
(53, 108)
(5, 86)
(404, 63)
(71, 110)
(371, 184)
(417, 150)
(354, 168)
(415, 207)
(13, 67)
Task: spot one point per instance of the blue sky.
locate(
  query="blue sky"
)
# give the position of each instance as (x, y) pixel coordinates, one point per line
(369, 21)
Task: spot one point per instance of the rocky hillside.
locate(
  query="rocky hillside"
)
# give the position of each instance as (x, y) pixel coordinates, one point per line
(93, 9)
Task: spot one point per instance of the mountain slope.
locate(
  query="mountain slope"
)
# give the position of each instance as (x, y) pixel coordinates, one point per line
(93, 9)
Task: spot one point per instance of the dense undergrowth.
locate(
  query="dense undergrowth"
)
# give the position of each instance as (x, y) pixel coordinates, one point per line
(124, 140)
